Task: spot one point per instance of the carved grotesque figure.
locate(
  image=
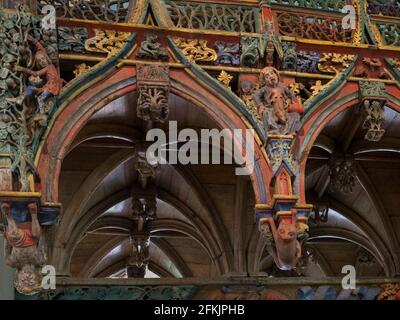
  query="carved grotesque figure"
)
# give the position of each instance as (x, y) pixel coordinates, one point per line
(22, 249)
(279, 108)
(287, 251)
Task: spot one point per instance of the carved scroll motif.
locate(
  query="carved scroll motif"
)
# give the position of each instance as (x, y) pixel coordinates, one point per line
(213, 16)
(100, 10)
(313, 27)
(196, 50)
(109, 42)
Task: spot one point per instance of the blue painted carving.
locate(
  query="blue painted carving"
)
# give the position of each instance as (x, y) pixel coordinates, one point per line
(228, 54)
(307, 61)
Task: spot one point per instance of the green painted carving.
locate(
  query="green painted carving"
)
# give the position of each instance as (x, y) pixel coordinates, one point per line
(116, 293)
(394, 67)
(390, 33)
(250, 55)
(372, 89)
(72, 39)
(331, 5)
(100, 10)
(22, 103)
(151, 49)
(210, 16)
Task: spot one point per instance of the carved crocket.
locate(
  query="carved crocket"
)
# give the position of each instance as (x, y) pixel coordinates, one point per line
(22, 249)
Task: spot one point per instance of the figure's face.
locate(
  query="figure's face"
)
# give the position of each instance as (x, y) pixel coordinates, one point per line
(247, 86)
(271, 78)
(42, 61)
(287, 231)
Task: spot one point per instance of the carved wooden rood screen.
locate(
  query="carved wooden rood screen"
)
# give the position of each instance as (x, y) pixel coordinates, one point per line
(84, 84)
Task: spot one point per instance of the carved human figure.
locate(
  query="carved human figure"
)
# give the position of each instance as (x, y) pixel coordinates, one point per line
(279, 108)
(48, 71)
(22, 250)
(287, 251)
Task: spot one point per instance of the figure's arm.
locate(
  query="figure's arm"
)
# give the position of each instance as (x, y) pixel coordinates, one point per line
(38, 45)
(289, 94)
(257, 97)
(31, 72)
(36, 230)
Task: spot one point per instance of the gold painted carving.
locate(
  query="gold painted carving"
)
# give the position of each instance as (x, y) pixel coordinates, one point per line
(107, 41)
(81, 69)
(225, 78)
(196, 50)
(390, 292)
(334, 62)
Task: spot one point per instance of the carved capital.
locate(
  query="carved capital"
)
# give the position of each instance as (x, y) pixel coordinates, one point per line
(153, 92)
(372, 89)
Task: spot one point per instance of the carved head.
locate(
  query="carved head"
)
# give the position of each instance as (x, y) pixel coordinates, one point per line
(28, 280)
(269, 77)
(32, 208)
(246, 87)
(5, 208)
(42, 60)
(287, 231)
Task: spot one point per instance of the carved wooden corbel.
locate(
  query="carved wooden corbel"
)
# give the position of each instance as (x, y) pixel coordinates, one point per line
(153, 92)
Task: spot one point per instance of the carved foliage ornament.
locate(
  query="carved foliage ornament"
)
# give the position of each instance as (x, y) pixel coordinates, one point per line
(153, 92)
(100, 10)
(389, 33)
(372, 89)
(313, 27)
(228, 53)
(342, 175)
(375, 120)
(247, 90)
(29, 83)
(331, 5)
(334, 62)
(72, 39)
(225, 78)
(385, 8)
(279, 150)
(210, 16)
(196, 50)
(109, 42)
